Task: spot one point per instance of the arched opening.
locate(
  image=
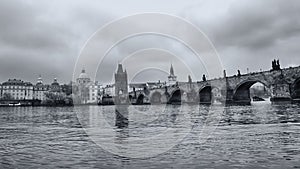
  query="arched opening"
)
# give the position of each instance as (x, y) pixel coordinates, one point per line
(140, 99)
(296, 90)
(205, 95)
(250, 91)
(175, 97)
(155, 98)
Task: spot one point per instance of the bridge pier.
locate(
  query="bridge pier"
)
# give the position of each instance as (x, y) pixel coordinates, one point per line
(281, 93)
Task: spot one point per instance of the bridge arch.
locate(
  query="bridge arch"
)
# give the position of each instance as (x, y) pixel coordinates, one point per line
(205, 95)
(156, 98)
(176, 96)
(241, 93)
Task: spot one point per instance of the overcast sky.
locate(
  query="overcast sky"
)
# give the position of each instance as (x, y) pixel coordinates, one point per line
(46, 37)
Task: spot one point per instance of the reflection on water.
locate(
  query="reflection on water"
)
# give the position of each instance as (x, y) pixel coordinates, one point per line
(256, 136)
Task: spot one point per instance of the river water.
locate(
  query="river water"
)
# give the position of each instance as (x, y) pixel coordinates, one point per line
(257, 136)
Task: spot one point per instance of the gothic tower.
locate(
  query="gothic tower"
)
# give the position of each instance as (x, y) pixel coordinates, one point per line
(121, 97)
(172, 78)
(121, 83)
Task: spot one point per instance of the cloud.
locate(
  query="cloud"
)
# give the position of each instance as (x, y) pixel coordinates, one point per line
(39, 38)
(43, 37)
(247, 31)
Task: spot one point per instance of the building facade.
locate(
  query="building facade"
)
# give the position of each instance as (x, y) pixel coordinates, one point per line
(40, 89)
(16, 89)
(95, 90)
(85, 90)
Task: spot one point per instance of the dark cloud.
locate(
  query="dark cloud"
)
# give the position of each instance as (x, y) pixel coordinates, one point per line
(43, 37)
(258, 24)
(250, 33)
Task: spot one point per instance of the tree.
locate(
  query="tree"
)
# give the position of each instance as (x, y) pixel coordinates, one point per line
(55, 98)
(7, 96)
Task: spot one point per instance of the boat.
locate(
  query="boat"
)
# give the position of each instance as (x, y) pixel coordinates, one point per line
(14, 104)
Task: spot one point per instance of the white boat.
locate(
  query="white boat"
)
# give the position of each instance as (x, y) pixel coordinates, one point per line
(14, 104)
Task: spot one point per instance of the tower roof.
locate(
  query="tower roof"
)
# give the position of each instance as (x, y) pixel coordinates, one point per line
(171, 70)
(120, 68)
(55, 82)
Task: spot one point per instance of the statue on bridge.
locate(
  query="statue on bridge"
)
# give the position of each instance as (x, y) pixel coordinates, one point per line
(190, 79)
(239, 73)
(275, 65)
(204, 78)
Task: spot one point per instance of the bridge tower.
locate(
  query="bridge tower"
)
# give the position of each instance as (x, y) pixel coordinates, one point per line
(172, 78)
(121, 83)
(121, 97)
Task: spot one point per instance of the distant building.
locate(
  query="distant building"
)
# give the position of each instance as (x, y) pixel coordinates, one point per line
(95, 90)
(40, 89)
(83, 78)
(55, 87)
(85, 90)
(109, 90)
(82, 85)
(15, 89)
(153, 85)
(172, 78)
(137, 86)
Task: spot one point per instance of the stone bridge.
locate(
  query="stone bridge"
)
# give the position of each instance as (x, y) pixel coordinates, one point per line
(283, 84)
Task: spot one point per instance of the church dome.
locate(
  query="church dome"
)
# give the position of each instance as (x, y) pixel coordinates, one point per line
(83, 75)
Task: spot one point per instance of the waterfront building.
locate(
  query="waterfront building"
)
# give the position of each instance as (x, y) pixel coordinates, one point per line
(94, 92)
(85, 90)
(108, 90)
(82, 87)
(16, 89)
(40, 89)
(55, 87)
(83, 78)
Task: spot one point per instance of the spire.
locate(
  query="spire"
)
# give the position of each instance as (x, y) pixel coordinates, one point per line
(171, 70)
(120, 68)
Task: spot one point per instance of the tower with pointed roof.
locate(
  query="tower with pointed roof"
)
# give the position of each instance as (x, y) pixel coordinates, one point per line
(172, 78)
(121, 82)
